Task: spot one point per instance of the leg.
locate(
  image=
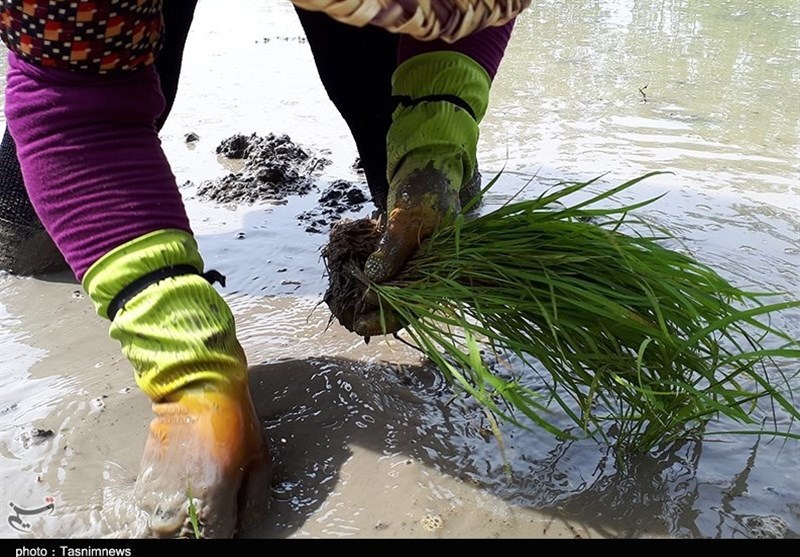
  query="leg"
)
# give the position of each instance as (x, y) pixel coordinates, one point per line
(178, 18)
(25, 247)
(356, 66)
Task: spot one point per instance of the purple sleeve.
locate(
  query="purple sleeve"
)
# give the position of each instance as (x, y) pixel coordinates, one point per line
(91, 157)
(486, 47)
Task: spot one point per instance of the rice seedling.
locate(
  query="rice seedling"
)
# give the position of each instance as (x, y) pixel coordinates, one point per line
(193, 518)
(625, 334)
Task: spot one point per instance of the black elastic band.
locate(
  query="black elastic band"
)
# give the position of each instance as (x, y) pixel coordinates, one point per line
(405, 100)
(137, 286)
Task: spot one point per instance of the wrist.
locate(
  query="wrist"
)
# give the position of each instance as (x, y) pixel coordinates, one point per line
(444, 73)
(124, 264)
(443, 96)
(176, 331)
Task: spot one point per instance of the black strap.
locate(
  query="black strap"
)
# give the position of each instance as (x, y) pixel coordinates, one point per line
(405, 100)
(137, 286)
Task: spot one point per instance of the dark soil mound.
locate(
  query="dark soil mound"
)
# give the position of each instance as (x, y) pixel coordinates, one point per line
(340, 197)
(275, 167)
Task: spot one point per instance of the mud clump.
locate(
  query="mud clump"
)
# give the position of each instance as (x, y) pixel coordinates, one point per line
(340, 197)
(766, 527)
(350, 244)
(275, 167)
(35, 436)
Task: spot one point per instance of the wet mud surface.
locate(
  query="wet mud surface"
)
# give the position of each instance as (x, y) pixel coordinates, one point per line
(366, 441)
(276, 168)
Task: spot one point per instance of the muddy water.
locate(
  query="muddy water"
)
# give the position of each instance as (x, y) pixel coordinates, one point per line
(367, 441)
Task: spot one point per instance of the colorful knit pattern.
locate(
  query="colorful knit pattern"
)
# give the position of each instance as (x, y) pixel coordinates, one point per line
(425, 20)
(96, 36)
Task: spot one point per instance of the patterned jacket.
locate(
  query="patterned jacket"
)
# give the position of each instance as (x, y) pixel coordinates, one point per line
(101, 36)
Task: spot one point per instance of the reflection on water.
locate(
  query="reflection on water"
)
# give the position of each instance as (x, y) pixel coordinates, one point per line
(707, 90)
(410, 414)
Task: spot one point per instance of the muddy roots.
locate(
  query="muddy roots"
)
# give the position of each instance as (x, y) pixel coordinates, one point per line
(350, 244)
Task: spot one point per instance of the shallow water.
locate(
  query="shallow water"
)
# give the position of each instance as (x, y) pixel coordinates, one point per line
(367, 442)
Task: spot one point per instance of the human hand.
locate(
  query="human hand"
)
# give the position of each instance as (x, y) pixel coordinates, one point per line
(407, 227)
(431, 153)
(205, 449)
(205, 446)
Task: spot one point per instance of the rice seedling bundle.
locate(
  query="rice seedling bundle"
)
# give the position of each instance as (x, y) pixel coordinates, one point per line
(626, 334)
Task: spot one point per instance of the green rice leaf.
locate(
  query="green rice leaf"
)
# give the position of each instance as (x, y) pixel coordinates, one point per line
(617, 331)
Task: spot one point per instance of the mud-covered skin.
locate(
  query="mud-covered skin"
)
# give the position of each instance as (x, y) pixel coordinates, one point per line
(206, 444)
(419, 204)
